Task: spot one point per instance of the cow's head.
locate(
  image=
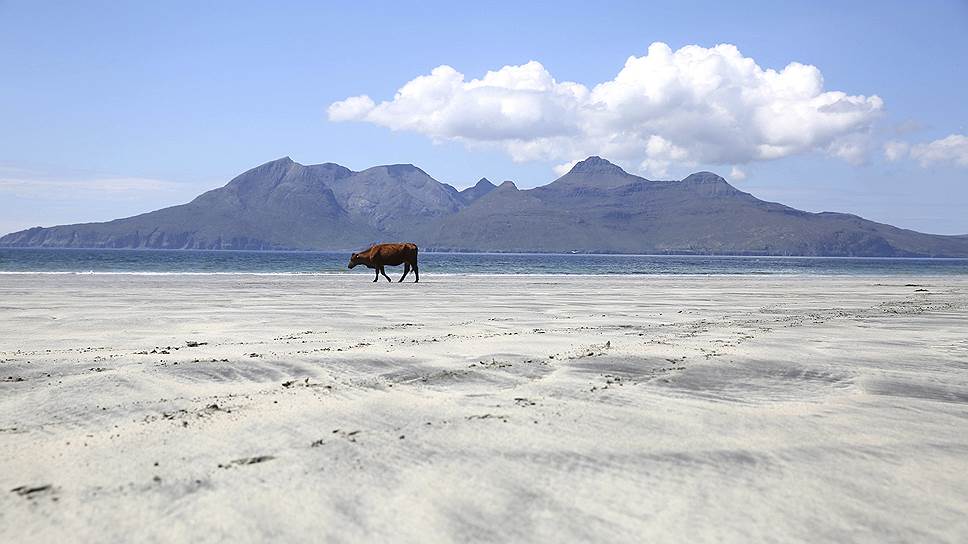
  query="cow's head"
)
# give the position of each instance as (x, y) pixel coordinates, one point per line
(354, 260)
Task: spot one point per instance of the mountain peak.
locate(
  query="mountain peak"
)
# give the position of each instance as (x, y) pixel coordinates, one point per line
(594, 172)
(596, 165)
(282, 161)
(482, 187)
(595, 208)
(703, 177)
(258, 176)
(709, 184)
(398, 170)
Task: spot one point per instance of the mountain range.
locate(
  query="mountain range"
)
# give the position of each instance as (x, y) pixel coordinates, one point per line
(596, 207)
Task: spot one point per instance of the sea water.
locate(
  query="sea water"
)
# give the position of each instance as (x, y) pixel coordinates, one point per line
(310, 262)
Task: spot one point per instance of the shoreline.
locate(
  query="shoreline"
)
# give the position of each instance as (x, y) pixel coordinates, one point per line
(430, 275)
(498, 253)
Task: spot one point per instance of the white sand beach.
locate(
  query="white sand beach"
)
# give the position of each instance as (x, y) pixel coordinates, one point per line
(213, 408)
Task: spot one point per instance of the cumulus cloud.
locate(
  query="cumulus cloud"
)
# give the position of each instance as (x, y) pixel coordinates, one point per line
(952, 149)
(737, 174)
(689, 106)
(350, 109)
(563, 168)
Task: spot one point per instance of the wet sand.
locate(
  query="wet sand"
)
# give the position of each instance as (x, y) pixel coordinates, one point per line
(483, 408)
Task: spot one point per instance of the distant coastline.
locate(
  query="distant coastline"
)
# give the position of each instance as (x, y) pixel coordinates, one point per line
(120, 260)
(472, 252)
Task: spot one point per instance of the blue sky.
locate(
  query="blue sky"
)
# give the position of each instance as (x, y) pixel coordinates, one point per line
(115, 108)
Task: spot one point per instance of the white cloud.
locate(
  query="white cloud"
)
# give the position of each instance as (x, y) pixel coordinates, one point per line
(563, 168)
(685, 107)
(350, 109)
(737, 174)
(852, 148)
(895, 151)
(951, 149)
(954, 149)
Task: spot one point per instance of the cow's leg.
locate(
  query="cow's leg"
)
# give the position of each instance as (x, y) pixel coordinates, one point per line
(416, 273)
(384, 272)
(406, 270)
(377, 275)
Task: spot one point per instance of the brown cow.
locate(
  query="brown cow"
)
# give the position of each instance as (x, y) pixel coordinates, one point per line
(381, 255)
